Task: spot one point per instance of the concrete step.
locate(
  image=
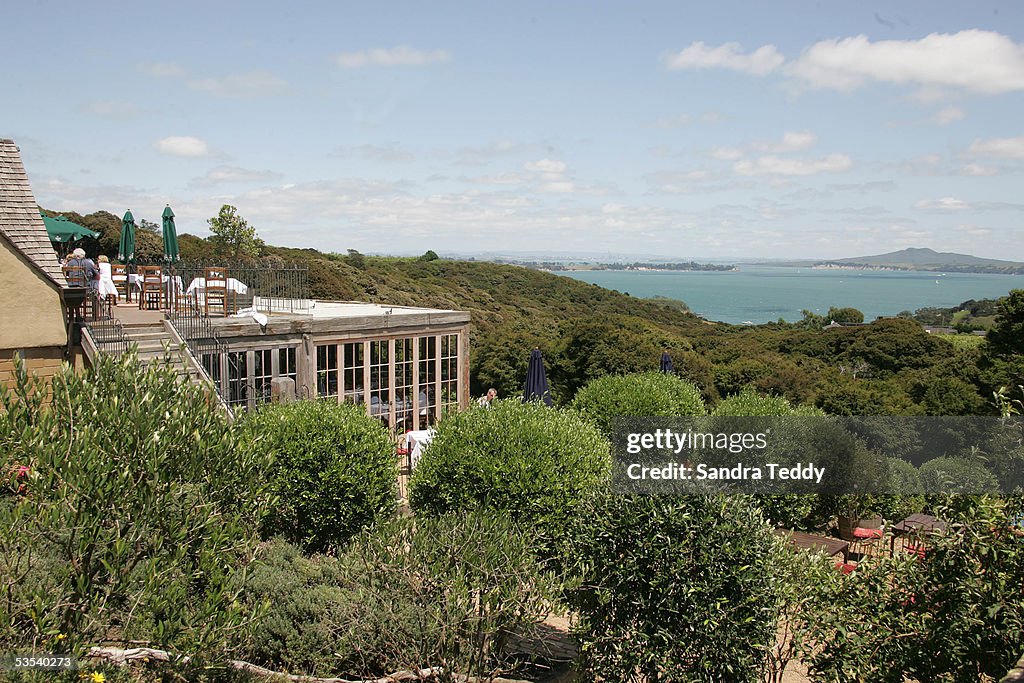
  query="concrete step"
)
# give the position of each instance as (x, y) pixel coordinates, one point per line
(146, 336)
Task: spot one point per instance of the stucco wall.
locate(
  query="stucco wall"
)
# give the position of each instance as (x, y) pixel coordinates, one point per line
(31, 315)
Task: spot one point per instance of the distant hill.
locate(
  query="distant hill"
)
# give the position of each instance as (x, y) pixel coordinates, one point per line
(927, 260)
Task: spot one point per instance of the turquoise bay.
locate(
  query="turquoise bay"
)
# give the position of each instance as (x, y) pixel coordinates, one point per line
(762, 294)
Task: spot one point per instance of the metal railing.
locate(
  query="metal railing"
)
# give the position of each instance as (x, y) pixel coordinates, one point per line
(200, 336)
(109, 335)
(265, 287)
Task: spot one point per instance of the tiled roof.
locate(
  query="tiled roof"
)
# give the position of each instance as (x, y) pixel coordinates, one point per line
(20, 221)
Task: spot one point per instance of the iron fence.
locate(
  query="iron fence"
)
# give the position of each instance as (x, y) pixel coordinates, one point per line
(109, 335)
(267, 288)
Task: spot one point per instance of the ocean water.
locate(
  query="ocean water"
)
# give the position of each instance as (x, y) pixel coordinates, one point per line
(761, 294)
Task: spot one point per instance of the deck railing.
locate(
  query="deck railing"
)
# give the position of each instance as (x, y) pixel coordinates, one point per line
(265, 287)
(108, 334)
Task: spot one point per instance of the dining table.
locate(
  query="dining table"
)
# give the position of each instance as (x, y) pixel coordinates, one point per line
(917, 524)
(814, 542)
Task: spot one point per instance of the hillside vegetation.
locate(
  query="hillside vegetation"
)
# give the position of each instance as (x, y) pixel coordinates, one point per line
(585, 331)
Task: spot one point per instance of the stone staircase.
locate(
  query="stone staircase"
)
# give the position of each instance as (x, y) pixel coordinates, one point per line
(155, 345)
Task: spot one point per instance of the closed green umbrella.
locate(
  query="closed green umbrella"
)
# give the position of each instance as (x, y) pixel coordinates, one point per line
(171, 254)
(61, 230)
(126, 249)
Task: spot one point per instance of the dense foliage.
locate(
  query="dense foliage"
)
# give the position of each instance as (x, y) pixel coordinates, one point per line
(405, 595)
(535, 463)
(136, 509)
(958, 612)
(648, 394)
(887, 367)
(673, 588)
(334, 470)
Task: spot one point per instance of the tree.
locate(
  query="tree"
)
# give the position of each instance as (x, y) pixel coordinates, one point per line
(1006, 338)
(845, 315)
(429, 255)
(233, 236)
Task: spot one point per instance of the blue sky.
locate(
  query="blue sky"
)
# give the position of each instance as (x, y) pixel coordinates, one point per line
(715, 130)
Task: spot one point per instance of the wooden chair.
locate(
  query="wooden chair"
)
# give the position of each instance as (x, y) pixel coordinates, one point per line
(75, 276)
(151, 297)
(119, 274)
(216, 292)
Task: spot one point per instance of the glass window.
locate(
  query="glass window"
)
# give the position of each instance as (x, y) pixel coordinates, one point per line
(449, 373)
(238, 377)
(379, 381)
(286, 363)
(353, 365)
(427, 388)
(262, 373)
(403, 384)
(327, 370)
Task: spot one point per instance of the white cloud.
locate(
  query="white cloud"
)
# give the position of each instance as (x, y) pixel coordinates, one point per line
(549, 166)
(403, 55)
(760, 62)
(947, 115)
(773, 165)
(979, 170)
(999, 148)
(182, 146)
(726, 153)
(232, 174)
(162, 69)
(791, 142)
(249, 84)
(944, 204)
(973, 60)
(475, 156)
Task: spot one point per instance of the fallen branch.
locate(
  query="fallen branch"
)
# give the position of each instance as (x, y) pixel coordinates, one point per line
(123, 657)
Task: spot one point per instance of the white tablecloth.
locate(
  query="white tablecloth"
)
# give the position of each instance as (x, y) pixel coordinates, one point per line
(415, 442)
(234, 285)
(136, 279)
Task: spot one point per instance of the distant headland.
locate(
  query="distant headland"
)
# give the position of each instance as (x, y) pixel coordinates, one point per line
(919, 259)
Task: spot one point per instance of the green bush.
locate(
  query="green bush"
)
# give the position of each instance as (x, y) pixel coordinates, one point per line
(335, 471)
(942, 476)
(406, 594)
(534, 462)
(957, 614)
(643, 394)
(673, 588)
(907, 495)
(140, 506)
(750, 403)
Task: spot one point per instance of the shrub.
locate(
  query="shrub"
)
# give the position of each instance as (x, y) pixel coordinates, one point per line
(749, 403)
(406, 594)
(958, 611)
(644, 394)
(673, 588)
(335, 471)
(907, 495)
(140, 505)
(534, 462)
(956, 475)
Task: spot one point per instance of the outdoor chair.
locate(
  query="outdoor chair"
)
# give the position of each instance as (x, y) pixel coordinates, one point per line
(865, 540)
(119, 274)
(152, 295)
(216, 292)
(75, 276)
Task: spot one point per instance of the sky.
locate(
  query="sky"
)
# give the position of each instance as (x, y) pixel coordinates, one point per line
(680, 129)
